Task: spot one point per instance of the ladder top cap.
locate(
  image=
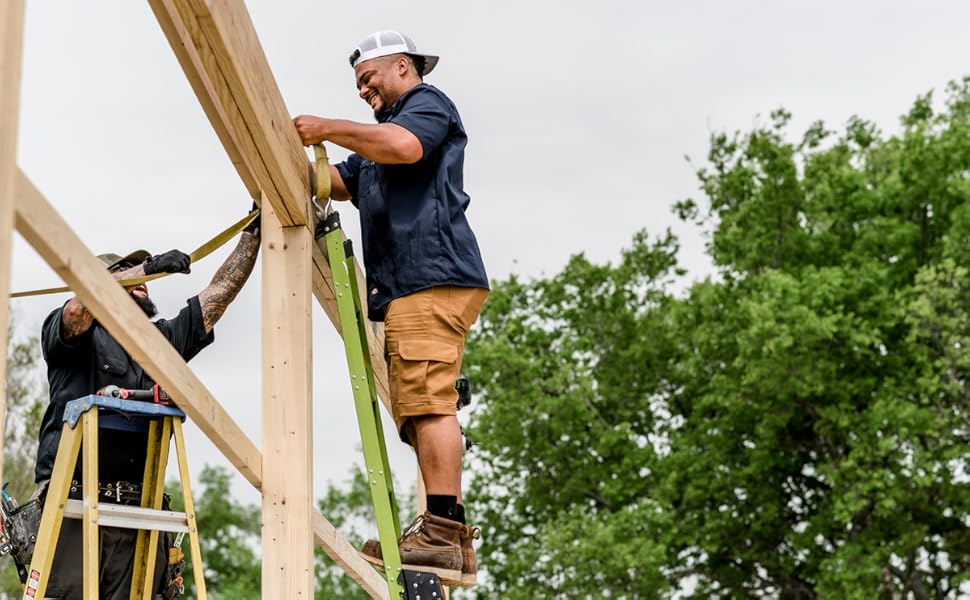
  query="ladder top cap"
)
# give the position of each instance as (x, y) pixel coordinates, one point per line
(75, 408)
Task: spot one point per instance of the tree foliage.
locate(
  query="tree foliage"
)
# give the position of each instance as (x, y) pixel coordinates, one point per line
(26, 398)
(228, 536)
(795, 426)
(350, 510)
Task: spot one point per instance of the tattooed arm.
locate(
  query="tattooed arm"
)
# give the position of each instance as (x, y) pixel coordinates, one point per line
(76, 320)
(229, 279)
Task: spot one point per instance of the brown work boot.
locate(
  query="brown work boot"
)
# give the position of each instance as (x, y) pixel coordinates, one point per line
(431, 544)
(469, 563)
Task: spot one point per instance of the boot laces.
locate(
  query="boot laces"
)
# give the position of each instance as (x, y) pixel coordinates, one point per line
(415, 528)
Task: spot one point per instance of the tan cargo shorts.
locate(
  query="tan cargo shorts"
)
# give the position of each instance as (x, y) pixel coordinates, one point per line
(424, 337)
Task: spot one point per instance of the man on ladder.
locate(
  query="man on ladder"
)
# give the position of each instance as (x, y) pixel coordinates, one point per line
(425, 276)
(82, 358)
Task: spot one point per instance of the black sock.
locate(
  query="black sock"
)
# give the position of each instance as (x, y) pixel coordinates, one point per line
(443, 506)
(461, 514)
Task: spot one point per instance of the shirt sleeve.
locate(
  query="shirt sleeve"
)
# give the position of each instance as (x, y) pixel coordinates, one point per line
(350, 172)
(186, 332)
(54, 348)
(428, 116)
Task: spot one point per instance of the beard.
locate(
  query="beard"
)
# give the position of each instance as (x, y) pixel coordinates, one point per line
(382, 115)
(146, 305)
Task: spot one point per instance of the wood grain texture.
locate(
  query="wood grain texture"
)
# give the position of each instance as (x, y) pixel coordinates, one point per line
(287, 540)
(11, 52)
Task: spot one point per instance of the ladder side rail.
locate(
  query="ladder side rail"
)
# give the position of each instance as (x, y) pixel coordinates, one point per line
(375, 405)
(89, 487)
(153, 487)
(141, 540)
(53, 514)
(376, 471)
(197, 572)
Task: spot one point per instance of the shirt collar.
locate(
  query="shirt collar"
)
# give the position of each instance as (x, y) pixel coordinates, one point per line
(388, 113)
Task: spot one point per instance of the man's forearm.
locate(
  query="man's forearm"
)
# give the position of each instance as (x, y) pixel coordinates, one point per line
(384, 143)
(76, 319)
(130, 273)
(229, 279)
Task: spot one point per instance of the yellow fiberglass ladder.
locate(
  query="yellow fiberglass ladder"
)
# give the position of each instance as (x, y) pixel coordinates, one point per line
(82, 418)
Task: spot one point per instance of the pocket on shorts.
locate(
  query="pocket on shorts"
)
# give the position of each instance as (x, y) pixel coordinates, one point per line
(427, 369)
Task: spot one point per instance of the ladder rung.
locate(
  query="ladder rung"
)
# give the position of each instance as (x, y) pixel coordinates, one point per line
(131, 517)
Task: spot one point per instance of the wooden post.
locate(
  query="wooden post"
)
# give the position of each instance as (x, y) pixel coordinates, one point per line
(11, 49)
(287, 410)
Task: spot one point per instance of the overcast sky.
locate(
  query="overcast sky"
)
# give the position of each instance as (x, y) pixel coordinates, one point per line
(579, 116)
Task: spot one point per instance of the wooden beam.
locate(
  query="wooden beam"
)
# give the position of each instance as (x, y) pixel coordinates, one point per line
(216, 44)
(345, 555)
(11, 51)
(287, 410)
(46, 231)
(220, 53)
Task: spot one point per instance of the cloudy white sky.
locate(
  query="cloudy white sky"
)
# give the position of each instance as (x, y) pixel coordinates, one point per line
(579, 116)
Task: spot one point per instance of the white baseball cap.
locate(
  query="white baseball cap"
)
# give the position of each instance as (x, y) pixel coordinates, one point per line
(385, 43)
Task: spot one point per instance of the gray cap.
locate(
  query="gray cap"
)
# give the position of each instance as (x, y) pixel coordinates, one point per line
(386, 43)
(132, 258)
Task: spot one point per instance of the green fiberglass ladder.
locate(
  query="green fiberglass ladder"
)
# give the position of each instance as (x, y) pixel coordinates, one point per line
(410, 585)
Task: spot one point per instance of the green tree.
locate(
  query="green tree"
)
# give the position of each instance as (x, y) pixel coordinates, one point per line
(349, 508)
(565, 464)
(228, 536)
(26, 399)
(796, 426)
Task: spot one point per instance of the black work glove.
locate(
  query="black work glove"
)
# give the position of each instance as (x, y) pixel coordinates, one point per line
(173, 261)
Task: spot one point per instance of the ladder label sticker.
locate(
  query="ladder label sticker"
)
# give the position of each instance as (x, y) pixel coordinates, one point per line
(32, 582)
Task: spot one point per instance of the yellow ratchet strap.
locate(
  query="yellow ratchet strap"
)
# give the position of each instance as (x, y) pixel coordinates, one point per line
(201, 252)
(323, 172)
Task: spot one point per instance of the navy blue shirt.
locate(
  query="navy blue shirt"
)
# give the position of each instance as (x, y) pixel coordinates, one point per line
(412, 217)
(92, 361)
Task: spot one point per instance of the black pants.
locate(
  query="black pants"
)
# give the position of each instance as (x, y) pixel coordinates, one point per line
(116, 562)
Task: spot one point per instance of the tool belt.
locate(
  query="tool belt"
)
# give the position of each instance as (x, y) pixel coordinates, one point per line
(117, 492)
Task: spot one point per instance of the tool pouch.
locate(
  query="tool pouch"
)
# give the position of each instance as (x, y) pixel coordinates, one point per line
(22, 526)
(174, 585)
